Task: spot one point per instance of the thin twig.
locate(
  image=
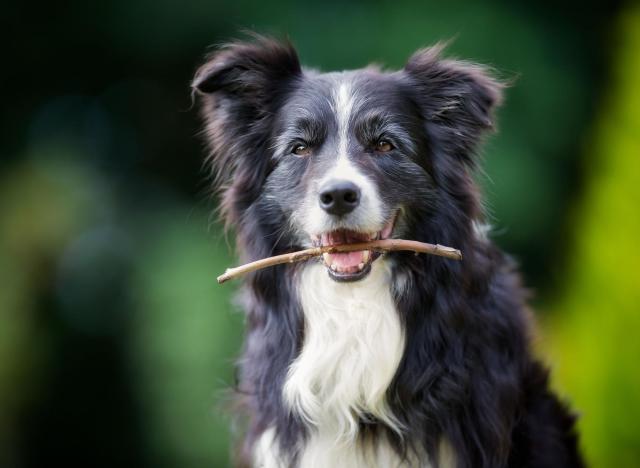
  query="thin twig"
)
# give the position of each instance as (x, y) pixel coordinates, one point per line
(385, 245)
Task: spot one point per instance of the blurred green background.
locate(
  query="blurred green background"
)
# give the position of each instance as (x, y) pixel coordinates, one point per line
(116, 344)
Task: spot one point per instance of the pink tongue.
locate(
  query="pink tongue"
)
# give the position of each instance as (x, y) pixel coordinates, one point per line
(346, 259)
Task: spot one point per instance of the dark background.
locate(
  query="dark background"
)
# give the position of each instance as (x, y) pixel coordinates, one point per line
(116, 345)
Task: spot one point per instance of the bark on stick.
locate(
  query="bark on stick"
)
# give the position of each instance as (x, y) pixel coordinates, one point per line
(385, 245)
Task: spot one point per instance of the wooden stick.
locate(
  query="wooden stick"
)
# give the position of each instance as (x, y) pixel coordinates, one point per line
(385, 245)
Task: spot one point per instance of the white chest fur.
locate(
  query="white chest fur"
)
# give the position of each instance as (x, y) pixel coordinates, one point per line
(352, 347)
(353, 344)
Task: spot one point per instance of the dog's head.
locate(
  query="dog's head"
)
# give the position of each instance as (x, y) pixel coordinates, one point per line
(305, 158)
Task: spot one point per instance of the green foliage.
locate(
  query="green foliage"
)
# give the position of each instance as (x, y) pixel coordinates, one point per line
(182, 342)
(592, 333)
(32, 234)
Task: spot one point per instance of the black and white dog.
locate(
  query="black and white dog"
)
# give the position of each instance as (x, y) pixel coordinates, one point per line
(360, 359)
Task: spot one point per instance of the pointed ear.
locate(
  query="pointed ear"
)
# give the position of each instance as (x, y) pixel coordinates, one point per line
(457, 98)
(248, 70)
(241, 86)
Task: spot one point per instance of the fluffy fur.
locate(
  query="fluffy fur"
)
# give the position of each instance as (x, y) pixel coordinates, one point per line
(404, 360)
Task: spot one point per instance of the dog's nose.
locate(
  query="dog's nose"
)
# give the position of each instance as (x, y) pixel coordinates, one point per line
(339, 197)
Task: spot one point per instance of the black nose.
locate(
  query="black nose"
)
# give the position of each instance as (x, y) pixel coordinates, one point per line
(339, 197)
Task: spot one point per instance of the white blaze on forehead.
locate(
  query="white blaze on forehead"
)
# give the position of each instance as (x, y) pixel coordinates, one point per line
(343, 99)
(368, 216)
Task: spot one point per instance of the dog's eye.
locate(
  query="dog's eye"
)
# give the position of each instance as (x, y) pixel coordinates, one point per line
(383, 146)
(301, 150)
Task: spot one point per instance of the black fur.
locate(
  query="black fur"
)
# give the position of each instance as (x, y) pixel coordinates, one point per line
(467, 372)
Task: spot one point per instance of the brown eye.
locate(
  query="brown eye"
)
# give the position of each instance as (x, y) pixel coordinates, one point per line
(383, 146)
(301, 150)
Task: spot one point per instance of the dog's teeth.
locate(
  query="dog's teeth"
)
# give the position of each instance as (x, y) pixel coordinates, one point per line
(334, 267)
(360, 266)
(366, 254)
(327, 258)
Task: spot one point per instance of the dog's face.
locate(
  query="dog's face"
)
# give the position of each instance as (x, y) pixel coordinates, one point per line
(338, 157)
(346, 162)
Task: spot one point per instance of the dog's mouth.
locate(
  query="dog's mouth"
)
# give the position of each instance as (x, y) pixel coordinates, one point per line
(350, 266)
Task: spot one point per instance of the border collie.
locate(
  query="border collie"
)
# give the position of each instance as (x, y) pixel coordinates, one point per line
(360, 359)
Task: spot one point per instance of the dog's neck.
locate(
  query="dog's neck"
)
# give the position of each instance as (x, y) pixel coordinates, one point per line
(352, 347)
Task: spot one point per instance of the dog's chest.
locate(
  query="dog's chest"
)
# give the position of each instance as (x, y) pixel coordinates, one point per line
(353, 344)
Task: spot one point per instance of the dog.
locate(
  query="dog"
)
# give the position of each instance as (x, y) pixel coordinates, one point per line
(361, 359)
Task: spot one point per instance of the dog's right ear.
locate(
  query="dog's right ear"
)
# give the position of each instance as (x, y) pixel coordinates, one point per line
(248, 71)
(241, 86)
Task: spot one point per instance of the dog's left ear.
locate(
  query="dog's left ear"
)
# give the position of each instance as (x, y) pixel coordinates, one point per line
(457, 98)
